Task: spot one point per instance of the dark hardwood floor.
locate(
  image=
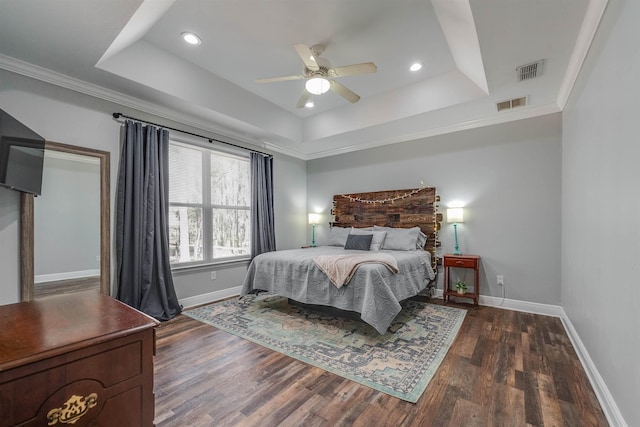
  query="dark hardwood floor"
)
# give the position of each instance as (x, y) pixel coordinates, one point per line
(43, 290)
(505, 368)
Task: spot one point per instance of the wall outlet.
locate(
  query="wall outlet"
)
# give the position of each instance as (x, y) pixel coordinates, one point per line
(500, 280)
(98, 258)
(213, 275)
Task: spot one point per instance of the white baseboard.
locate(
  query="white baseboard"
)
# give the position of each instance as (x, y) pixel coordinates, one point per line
(608, 404)
(525, 306)
(210, 297)
(54, 277)
(516, 305)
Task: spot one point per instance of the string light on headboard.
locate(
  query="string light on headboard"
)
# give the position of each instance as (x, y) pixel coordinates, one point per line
(381, 201)
(413, 207)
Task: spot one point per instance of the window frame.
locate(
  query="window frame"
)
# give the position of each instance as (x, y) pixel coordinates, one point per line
(206, 205)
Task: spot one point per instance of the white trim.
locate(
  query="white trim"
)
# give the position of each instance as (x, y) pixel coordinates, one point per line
(210, 297)
(284, 150)
(516, 305)
(590, 24)
(608, 404)
(54, 277)
(80, 158)
(587, 33)
(502, 117)
(48, 76)
(525, 306)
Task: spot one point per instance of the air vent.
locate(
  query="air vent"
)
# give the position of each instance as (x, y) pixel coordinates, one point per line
(530, 71)
(512, 103)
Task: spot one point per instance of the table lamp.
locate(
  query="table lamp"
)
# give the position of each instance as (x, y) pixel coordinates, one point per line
(314, 219)
(455, 215)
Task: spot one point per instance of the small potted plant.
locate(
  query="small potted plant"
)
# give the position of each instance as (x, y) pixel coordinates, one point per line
(461, 286)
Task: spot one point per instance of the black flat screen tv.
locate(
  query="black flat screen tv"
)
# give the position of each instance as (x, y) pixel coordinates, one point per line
(21, 156)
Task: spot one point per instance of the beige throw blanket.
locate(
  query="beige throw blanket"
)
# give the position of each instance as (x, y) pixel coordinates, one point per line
(341, 268)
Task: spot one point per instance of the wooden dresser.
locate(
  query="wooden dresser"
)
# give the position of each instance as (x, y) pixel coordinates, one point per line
(81, 359)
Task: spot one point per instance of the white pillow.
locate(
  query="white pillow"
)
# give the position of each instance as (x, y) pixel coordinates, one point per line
(377, 240)
(338, 236)
(400, 239)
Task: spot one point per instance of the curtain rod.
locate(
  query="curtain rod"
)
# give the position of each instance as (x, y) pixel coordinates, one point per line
(211, 140)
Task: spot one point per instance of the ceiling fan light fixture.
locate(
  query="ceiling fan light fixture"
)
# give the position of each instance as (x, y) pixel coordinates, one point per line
(317, 85)
(191, 38)
(309, 104)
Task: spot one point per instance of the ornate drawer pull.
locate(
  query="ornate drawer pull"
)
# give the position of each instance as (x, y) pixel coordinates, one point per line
(73, 409)
(459, 262)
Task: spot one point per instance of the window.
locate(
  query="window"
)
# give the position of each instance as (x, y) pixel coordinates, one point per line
(209, 194)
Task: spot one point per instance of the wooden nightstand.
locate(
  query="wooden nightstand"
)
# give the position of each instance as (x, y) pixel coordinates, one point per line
(461, 261)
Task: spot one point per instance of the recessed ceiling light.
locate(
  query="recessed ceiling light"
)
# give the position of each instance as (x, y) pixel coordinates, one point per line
(191, 38)
(309, 104)
(415, 66)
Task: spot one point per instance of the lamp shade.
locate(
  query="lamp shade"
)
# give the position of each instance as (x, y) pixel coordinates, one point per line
(455, 215)
(314, 218)
(317, 85)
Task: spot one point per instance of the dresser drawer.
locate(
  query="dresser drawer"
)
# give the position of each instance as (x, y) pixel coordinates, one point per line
(38, 393)
(460, 262)
(79, 359)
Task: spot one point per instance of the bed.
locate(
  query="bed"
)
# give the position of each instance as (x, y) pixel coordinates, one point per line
(408, 221)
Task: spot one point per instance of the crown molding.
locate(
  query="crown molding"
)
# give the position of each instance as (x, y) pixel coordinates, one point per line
(58, 79)
(48, 76)
(587, 33)
(283, 150)
(519, 113)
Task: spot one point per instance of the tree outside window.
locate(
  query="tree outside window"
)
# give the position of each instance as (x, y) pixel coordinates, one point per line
(209, 203)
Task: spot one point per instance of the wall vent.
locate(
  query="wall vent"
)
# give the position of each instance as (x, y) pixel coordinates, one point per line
(530, 71)
(512, 103)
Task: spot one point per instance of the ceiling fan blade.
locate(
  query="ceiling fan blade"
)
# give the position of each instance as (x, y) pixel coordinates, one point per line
(303, 99)
(279, 79)
(307, 56)
(350, 70)
(344, 92)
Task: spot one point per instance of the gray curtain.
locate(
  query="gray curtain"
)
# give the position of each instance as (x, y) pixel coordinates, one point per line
(263, 234)
(142, 243)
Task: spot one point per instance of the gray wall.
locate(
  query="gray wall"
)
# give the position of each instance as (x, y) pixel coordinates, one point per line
(67, 219)
(601, 206)
(9, 245)
(69, 117)
(507, 175)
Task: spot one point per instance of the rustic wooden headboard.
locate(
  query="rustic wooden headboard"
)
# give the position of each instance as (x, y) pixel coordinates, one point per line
(393, 208)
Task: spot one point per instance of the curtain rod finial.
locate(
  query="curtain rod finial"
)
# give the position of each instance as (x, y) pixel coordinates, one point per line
(116, 115)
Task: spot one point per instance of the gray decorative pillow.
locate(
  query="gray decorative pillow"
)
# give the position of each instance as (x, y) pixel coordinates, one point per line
(338, 236)
(360, 242)
(422, 240)
(376, 241)
(400, 239)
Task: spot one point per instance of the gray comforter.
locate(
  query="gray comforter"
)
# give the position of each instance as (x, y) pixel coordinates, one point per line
(374, 291)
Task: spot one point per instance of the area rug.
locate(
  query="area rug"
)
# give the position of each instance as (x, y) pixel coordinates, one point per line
(400, 363)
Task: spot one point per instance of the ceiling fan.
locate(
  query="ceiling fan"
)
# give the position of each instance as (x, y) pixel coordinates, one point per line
(320, 74)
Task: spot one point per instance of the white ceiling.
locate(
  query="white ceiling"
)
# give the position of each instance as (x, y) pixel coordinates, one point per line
(131, 51)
